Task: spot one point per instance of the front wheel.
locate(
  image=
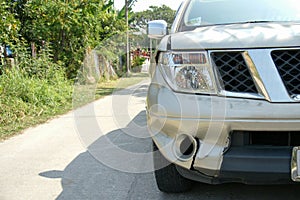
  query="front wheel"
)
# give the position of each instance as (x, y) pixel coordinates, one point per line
(167, 177)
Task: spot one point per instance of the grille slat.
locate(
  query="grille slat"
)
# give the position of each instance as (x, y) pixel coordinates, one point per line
(288, 66)
(234, 72)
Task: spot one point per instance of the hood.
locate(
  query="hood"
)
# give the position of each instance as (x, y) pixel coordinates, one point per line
(241, 36)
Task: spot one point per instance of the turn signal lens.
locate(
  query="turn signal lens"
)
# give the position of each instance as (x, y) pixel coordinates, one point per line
(189, 58)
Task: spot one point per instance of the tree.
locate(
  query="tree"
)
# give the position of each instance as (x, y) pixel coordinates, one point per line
(139, 20)
(9, 25)
(121, 13)
(67, 27)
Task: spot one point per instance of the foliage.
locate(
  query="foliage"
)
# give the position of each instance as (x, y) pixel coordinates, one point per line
(26, 99)
(137, 63)
(109, 87)
(139, 20)
(121, 13)
(50, 39)
(68, 27)
(9, 25)
(84, 94)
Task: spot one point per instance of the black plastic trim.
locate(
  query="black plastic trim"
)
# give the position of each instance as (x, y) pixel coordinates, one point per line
(253, 165)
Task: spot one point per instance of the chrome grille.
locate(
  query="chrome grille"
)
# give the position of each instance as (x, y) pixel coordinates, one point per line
(288, 65)
(233, 72)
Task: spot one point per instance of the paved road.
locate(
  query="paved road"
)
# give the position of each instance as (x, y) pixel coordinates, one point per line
(95, 153)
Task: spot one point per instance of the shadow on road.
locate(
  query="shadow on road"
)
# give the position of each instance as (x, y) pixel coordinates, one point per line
(87, 178)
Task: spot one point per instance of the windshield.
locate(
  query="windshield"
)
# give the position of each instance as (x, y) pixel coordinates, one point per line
(212, 12)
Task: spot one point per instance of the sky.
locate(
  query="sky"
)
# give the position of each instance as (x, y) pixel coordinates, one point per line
(141, 5)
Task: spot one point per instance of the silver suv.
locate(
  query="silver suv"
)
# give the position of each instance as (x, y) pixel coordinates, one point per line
(224, 101)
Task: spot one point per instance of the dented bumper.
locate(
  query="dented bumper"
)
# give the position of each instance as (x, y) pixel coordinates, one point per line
(211, 120)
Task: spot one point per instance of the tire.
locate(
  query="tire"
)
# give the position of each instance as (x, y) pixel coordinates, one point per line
(167, 177)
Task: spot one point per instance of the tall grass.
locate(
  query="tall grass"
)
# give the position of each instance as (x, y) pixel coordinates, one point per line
(28, 98)
(37, 89)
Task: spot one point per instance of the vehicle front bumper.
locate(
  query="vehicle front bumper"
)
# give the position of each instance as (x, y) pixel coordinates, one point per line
(211, 119)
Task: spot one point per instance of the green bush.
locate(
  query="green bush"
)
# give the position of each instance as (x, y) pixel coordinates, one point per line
(137, 63)
(27, 99)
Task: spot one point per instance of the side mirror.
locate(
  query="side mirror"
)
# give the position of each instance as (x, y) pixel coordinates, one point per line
(157, 29)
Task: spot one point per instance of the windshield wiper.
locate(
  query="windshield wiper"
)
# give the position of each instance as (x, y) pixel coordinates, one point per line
(242, 22)
(245, 22)
(254, 22)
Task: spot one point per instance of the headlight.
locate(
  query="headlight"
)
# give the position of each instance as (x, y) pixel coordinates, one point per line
(188, 72)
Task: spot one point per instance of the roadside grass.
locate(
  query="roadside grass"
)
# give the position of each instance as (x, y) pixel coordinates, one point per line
(27, 102)
(108, 87)
(87, 93)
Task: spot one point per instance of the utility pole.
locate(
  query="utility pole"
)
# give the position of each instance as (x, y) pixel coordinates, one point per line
(127, 39)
